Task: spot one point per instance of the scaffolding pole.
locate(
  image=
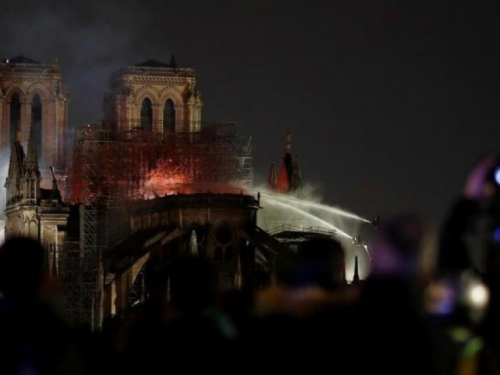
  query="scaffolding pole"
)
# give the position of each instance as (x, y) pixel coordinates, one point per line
(88, 235)
(75, 270)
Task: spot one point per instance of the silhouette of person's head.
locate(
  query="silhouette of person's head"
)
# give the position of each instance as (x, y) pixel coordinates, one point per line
(193, 284)
(482, 182)
(398, 245)
(21, 266)
(483, 230)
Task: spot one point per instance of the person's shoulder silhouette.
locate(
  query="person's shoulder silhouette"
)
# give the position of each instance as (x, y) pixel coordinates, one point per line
(35, 339)
(21, 267)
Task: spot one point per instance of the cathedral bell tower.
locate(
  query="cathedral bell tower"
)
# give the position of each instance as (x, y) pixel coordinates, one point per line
(32, 93)
(156, 97)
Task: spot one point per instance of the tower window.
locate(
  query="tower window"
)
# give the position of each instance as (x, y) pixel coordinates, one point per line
(169, 117)
(36, 117)
(15, 116)
(147, 115)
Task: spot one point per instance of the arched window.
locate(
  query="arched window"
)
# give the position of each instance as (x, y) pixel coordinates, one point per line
(36, 117)
(147, 115)
(169, 117)
(223, 235)
(15, 116)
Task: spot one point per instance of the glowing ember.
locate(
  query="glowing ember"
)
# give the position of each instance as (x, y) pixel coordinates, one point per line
(117, 165)
(166, 180)
(163, 184)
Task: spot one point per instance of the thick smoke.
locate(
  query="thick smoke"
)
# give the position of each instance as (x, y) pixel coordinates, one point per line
(90, 40)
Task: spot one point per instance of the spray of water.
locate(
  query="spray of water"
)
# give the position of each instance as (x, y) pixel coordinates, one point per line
(296, 211)
(310, 216)
(319, 206)
(367, 252)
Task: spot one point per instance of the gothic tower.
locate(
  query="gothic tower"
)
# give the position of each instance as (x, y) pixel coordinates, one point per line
(33, 93)
(32, 211)
(154, 96)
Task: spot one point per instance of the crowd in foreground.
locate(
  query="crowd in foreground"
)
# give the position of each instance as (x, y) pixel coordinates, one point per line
(425, 308)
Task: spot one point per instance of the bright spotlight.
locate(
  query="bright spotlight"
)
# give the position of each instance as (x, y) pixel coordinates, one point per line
(497, 175)
(496, 234)
(478, 295)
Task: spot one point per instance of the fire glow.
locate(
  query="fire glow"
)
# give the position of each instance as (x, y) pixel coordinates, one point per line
(166, 180)
(161, 184)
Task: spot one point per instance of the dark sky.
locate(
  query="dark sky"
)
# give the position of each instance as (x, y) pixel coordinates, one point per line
(388, 102)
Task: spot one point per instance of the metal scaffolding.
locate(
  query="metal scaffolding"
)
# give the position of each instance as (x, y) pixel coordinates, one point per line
(141, 164)
(76, 271)
(110, 167)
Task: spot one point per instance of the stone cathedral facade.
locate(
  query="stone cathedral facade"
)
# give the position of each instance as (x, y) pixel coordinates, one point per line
(32, 211)
(154, 96)
(33, 93)
(32, 96)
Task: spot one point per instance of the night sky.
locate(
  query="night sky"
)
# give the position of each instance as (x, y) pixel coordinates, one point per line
(389, 103)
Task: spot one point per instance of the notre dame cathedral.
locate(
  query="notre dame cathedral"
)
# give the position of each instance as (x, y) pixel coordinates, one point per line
(148, 183)
(152, 96)
(148, 177)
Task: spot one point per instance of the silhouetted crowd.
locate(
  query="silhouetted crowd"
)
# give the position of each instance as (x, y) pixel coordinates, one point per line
(426, 307)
